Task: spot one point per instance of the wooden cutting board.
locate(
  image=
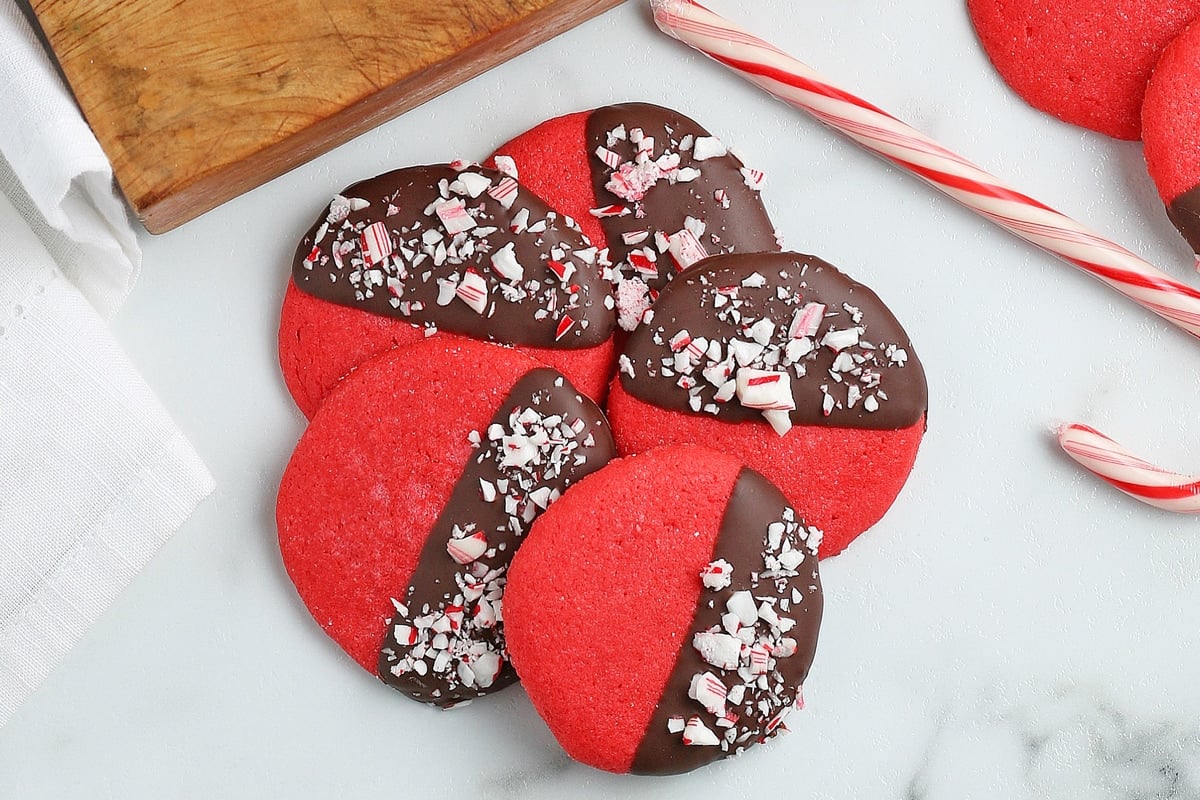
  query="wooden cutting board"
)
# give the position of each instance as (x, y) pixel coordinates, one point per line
(198, 101)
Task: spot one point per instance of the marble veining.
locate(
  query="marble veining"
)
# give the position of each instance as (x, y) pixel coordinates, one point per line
(1063, 743)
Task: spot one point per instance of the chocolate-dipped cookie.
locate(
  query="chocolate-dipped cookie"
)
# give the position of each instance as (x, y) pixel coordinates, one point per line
(664, 613)
(652, 185)
(408, 494)
(455, 248)
(789, 364)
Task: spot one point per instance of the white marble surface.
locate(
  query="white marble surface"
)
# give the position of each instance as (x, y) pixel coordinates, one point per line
(1011, 629)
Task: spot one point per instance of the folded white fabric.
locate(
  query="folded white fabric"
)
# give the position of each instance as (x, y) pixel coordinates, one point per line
(94, 475)
(57, 175)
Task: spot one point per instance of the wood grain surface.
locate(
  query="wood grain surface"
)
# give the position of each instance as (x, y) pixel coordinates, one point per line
(197, 101)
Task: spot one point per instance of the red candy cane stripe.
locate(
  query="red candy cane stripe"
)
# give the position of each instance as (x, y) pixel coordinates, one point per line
(635, 237)
(406, 634)
(807, 321)
(562, 271)
(468, 549)
(799, 85)
(473, 291)
(455, 217)
(376, 243)
(686, 248)
(1134, 476)
(642, 264)
(610, 159)
(504, 192)
(614, 210)
(697, 734)
(680, 341)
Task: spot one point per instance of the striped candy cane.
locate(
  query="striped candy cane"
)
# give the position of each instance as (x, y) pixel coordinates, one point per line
(881, 133)
(1134, 476)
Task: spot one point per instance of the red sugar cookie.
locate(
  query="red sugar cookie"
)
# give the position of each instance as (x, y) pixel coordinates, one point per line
(657, 189)
(664, 613)
(408, 494)
(1171, 132)
(1084, 61)
(455, 248)
(783, 361)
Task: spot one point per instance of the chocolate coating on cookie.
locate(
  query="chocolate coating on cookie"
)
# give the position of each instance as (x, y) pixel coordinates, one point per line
(780, 336)
(446, 643)
(677, 194)
(468, 250)
(764, 558)
(1184, 212)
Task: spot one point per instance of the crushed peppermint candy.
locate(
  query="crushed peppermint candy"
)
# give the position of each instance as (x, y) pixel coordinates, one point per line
(717, 575)
(807, 321)
(719, 649)
(770, 347)
(564, 327)
(707, 147)
(472, 290)
(766, 390)
(708, 690)
(504, 262)
(611, 160)
(686, 249)
(695, 732)
(376, 243)
(754, 178)
(473, 183)
(633, 303)
(454, 216)
(507, 166)
(453, 641)
(749, 685)
(505, 192)
(430, 234)
(638, 160)
(615, 210)
(466, 549)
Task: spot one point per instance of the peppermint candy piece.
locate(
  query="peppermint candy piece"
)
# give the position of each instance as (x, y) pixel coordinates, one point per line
(467, 549)
(697, 734)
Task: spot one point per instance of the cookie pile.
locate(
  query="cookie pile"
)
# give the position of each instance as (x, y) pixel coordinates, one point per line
(1126, 68)
(575, 418)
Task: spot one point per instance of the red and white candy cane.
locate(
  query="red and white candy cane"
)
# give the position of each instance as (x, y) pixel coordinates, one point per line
(881, 133)
(1134, 476)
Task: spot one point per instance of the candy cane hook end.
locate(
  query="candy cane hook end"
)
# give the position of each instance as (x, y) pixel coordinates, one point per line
(1134, 476)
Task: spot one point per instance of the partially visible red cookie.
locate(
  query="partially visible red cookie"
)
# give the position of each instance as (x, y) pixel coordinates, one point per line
(787, 363)
(650, 184)
(1171, 132)
(1084, 61)
(409, 492)
(449, 248)
(664, 613)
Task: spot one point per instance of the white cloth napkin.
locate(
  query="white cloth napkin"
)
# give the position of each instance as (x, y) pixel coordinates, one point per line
(94, 475)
